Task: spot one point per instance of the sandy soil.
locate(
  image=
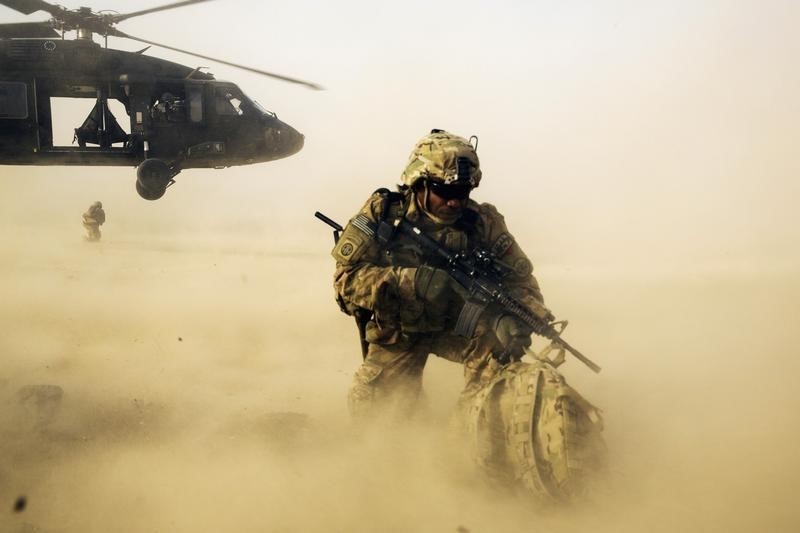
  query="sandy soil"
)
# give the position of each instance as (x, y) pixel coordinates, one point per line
(189, 381)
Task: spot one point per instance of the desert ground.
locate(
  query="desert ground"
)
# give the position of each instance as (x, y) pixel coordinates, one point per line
(188, 373)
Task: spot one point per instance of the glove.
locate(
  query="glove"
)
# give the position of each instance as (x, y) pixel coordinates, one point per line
(513, 337)
(432, 284)
(437, 291)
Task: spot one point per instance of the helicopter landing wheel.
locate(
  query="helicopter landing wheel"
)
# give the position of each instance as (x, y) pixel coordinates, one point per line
(153, 176)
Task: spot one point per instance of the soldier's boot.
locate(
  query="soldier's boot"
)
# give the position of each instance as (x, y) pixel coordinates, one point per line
(361, 397)
(392, 397)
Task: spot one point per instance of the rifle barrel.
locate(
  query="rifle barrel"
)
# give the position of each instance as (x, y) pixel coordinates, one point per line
(578, 355)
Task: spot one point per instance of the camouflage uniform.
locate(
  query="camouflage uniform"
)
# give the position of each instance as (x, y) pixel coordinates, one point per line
(93, 218)
(403, 330)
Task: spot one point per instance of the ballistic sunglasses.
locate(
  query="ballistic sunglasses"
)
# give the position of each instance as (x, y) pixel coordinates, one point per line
(452, 191)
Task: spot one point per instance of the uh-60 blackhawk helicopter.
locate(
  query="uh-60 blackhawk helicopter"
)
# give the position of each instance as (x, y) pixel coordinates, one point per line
(180, 117)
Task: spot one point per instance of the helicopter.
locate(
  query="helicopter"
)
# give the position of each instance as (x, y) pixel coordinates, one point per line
(179, 117)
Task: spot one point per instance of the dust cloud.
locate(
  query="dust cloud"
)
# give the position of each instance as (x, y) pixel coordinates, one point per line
(179, 378)
(188, 372)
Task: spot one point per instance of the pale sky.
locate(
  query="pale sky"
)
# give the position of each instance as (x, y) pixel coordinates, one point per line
(609, 131)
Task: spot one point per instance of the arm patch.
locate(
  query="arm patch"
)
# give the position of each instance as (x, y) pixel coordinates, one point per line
(523, 267)
(351, 246)
(502, 245)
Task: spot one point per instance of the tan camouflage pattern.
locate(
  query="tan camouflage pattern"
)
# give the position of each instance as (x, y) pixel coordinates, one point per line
(527, 426)
(401, 335)
(434, 157)
(389, 381)
(92, 219)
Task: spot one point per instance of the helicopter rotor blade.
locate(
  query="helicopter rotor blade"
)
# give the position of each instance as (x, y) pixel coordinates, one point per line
(116, 33)
(27, 7)
(125, 16)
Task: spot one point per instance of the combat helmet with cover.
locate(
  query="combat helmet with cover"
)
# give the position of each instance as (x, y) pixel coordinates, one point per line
(445, 158)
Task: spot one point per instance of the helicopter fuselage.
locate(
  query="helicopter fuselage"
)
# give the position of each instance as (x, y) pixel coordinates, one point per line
(176, 114)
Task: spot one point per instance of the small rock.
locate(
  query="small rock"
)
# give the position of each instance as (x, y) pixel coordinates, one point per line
(20, 504)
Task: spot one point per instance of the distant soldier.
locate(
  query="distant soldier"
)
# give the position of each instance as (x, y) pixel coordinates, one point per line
(93, 218)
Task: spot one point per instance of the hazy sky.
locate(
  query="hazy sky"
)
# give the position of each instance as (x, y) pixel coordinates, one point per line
(643, 154)
(606, 128)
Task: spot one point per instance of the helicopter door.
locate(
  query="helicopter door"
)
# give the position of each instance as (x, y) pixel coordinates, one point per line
(18, 131)
(13, 100)
(100, 127)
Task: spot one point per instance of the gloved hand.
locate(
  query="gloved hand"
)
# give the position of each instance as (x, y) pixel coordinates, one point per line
(513, 337)
(437, 291)
(432, 284)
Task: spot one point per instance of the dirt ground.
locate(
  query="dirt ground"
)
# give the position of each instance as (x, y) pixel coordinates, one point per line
(178, 378)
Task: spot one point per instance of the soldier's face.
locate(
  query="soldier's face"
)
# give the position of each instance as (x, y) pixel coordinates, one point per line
(445, 208)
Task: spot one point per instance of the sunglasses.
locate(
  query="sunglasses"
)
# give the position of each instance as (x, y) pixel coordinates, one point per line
(453, 191)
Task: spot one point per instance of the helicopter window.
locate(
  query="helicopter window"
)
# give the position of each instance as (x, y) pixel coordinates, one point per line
(195, 97)
(227, 103)
(13, 99)
(168, 107)
(261, 108)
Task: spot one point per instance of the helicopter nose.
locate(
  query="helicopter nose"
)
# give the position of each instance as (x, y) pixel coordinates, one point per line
(282, 140)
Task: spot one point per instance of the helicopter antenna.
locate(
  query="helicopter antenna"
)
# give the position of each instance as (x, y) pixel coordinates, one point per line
(195, 71)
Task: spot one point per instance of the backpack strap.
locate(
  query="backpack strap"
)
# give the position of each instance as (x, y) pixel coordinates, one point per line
(386, 228)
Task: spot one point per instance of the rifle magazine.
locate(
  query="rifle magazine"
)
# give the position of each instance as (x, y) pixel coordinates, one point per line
(468, 318)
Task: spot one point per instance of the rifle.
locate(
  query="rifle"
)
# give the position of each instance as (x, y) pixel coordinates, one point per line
(480, 274)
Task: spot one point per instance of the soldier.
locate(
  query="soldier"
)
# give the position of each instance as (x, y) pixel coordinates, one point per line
(93, 218)
(406, 303)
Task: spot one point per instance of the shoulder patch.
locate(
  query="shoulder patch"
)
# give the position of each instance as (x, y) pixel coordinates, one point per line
(523, 267)
(351, 246)
(502, 245)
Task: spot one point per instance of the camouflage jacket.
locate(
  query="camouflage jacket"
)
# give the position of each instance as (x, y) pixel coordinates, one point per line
(381, 278)
(94, 216)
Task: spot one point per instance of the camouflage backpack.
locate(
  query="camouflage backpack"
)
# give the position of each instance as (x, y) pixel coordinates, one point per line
(529, 427)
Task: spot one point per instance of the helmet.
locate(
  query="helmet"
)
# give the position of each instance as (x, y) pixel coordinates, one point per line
(443, 157)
